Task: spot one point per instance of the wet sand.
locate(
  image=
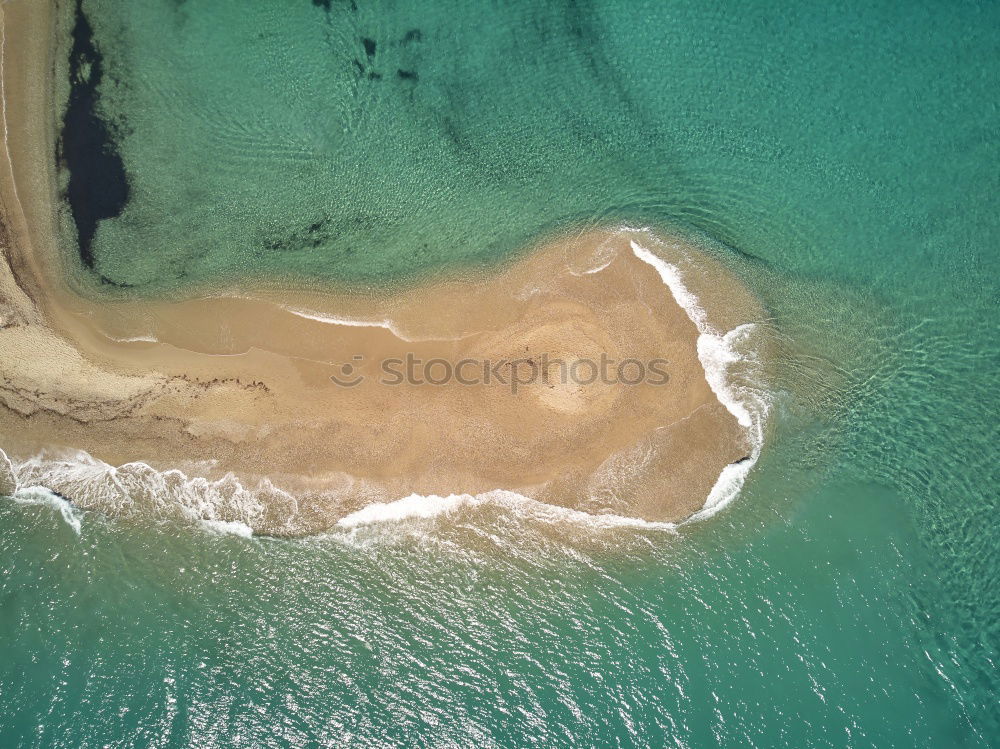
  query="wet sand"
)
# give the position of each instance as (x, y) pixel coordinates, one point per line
(245, 382)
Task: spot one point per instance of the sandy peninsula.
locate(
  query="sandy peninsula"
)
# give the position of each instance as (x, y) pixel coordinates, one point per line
(315, 404)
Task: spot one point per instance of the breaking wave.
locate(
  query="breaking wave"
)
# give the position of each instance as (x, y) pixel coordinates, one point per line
(720, 353)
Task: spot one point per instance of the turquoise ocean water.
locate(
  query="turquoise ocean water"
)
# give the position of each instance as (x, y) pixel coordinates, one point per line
(843, 157)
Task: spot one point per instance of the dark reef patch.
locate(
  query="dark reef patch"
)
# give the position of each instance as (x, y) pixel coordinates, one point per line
(407, 75)
(98, 185)
(369, 45)
(105, 281)
(413, 35)
(327, 5)
(314, 235)
(335, 234)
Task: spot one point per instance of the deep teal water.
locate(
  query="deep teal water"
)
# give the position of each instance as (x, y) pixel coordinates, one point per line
(844, 159)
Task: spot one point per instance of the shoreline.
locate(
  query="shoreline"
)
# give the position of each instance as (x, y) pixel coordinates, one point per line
(236, 392)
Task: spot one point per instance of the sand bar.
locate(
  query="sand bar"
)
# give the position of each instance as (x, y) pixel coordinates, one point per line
(305, 400)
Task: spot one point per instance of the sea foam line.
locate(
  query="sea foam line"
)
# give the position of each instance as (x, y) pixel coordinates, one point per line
(716, 352)
(39, 495)
(135, 339)
(423, 507)
(349, 322)
(227, 528)
(223, 505)
(73, 516)
(345, 321)
(198, 500)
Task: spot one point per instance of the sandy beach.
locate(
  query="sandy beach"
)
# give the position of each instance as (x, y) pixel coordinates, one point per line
(303, 398)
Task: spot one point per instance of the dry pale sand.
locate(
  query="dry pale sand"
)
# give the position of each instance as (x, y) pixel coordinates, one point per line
(242, 383)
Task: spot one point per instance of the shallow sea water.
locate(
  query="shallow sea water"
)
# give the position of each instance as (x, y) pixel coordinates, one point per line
(841, 157)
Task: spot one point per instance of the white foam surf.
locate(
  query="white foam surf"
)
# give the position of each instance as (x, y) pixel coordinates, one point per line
(423, 507)
(8, 481)
(344, 321)
(135, 339)
(226, 507)
(227, 528)
(223, 505)
(350, 322)
(718, 352)
(39, 495)
(120, 488)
